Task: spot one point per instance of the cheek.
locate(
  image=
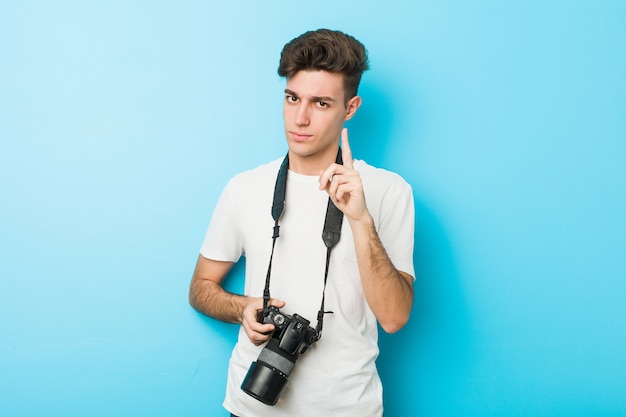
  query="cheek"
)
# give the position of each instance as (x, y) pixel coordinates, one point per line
(335, 121)
(286, 113)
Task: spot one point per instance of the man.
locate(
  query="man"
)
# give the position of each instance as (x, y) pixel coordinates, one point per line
(370, 271)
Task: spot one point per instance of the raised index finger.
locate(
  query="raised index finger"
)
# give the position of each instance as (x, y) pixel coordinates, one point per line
(346, 152)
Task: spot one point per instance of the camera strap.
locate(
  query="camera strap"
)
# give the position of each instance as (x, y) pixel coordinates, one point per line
(330, 234)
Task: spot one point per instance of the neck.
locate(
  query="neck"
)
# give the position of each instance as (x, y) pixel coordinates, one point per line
(311, 164)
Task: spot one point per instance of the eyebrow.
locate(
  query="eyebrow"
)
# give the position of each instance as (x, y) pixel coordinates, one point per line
(314, 98)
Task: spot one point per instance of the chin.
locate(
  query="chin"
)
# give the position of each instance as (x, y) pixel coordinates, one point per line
(300, 147)
(302, 153)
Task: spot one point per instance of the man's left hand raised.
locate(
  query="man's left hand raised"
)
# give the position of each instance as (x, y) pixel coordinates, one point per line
(343, 184)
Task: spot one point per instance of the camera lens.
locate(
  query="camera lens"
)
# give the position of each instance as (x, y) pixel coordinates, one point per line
(264, 383)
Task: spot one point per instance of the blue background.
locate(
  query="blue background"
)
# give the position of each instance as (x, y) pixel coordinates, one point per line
(121, 121)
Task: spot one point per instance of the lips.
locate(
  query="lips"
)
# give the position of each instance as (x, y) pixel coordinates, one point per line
(299, 136)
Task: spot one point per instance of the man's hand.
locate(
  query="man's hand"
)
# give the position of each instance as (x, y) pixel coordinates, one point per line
(257, 332)
(208, 297)
(343, 183)
(388, 292)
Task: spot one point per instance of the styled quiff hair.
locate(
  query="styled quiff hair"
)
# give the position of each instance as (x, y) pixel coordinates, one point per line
(326, 50)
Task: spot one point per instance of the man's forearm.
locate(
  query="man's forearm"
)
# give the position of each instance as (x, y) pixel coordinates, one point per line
(212, 300)
(388, 291)
(208, 297)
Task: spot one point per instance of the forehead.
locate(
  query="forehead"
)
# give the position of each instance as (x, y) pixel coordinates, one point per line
(317, 84)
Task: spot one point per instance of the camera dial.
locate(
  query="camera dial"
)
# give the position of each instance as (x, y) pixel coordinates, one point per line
(278, 319)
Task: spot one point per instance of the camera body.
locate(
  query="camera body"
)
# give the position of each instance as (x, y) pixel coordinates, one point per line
(293, 333)
(267, 377)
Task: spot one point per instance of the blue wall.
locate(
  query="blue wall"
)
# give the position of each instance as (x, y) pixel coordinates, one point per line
(120, 122)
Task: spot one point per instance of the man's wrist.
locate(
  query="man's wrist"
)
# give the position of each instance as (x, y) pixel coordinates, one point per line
(363, 226)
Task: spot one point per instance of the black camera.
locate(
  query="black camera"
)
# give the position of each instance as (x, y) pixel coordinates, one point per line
(267, 377)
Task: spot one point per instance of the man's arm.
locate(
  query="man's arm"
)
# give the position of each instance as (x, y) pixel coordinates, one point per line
(208, 297)
(389, 292)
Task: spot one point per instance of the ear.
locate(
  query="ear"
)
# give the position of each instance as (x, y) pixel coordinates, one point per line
(352, 106)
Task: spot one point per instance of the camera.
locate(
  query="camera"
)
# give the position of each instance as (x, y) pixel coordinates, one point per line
(267, 376)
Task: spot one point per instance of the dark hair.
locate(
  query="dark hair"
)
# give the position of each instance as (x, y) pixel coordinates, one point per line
(326, 50)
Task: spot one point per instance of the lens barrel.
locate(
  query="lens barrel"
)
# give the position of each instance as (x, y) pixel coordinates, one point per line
(264, 383)
(267, 377)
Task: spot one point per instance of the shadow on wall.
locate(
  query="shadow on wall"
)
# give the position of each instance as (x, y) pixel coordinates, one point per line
(369, 130)
(429, 344)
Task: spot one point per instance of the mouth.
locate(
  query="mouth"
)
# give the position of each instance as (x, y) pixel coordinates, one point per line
(299, 136)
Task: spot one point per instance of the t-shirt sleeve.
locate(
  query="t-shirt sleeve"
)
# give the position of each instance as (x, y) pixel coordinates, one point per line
(397, 225)
(222, 241)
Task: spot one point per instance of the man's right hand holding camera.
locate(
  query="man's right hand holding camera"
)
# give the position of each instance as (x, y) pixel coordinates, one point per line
(257, 332)
(207, 296)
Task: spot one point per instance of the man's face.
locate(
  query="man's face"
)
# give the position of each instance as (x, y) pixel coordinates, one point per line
(314, 112)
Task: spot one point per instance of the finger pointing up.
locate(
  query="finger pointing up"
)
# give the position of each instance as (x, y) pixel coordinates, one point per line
(346, 152)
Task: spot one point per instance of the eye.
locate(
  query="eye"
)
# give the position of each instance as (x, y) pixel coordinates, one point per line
(291, 99)
(322, 104)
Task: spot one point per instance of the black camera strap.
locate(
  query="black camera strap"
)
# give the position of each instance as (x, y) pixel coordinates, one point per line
(330, 234)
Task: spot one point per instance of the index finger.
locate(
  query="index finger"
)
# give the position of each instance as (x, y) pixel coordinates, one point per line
(346, 152)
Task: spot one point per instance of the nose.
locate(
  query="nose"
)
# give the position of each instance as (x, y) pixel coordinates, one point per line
(302, 115)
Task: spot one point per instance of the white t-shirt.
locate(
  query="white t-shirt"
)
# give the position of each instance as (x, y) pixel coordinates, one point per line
(337, 376)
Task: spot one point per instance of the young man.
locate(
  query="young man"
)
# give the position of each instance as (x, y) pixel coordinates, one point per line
(369, 277)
